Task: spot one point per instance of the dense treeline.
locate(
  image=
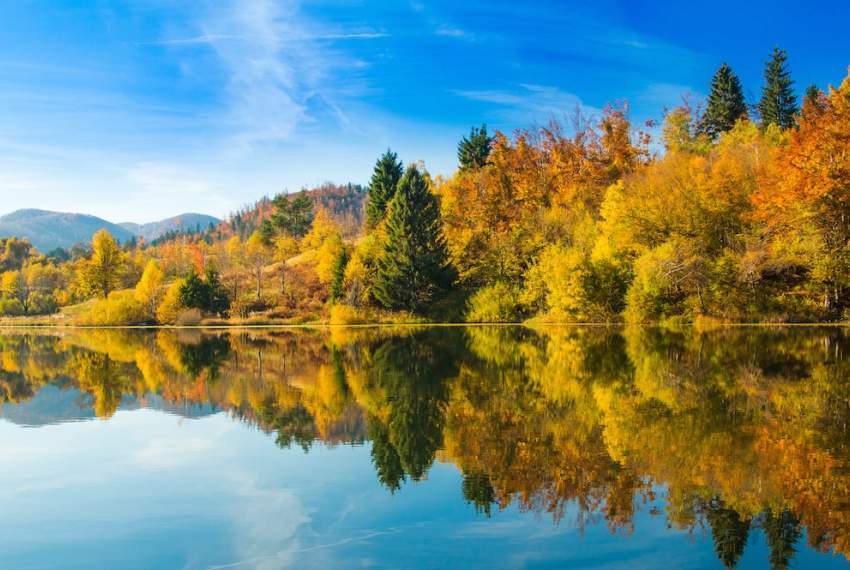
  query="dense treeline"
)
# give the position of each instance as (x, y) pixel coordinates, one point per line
(738, 429)
(740, 212)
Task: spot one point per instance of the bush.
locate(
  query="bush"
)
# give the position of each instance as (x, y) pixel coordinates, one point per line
(189, 318)
(170, 307)
(11, 308)
(497, 303)
(42, 304)
(653, 295)
(120, 308)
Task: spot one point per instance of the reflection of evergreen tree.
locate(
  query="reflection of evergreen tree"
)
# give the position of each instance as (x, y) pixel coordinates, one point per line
(478, 490)
(729, 531)
(385, 457)
(412, 370)
(782, 532)
(340, 382)
(208, 354)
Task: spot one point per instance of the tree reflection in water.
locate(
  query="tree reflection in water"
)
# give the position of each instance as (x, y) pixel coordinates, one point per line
(741, 428)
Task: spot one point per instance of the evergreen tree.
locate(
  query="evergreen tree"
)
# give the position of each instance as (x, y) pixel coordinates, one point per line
(725, 103)
(267, 231)
(414, 268)
(472, 152)
(813, 94)
(382, 187)
(778, 105)
(293, 215)
(338, 276)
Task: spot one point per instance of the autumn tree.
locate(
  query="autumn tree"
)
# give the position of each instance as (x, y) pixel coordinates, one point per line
(414, 268)
(778, 104)
(725, 103)
(150, 289)
(382, 187)
(473, 151)
(258, 254)
(100, 274)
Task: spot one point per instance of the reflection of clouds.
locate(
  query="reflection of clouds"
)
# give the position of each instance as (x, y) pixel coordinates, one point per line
(170, 453)
(263, 520)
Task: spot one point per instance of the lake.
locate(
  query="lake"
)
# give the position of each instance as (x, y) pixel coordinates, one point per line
(439, 447)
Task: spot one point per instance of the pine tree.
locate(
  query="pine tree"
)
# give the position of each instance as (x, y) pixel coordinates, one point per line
(338, 275)
(813, 94)
(725, 103)
(472, 152)
(778, 105)
(414, 268)
(292, 215)
(382, 187)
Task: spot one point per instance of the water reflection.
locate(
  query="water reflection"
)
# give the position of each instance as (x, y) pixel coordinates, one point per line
(740, 429)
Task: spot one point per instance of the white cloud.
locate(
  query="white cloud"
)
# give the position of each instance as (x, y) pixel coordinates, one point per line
(531, 103)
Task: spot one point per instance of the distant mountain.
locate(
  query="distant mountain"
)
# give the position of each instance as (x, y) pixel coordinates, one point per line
(181, 223)
(60, 403)
(49, 230)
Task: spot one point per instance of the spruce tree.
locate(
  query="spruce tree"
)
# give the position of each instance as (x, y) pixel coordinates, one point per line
(813, 94)
(414, 268)
(472, 152)
(725, 103)
(338, 276)
(382, 187)
(778, 105)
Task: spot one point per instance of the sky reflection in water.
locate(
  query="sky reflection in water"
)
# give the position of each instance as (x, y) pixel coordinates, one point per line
(425, 448)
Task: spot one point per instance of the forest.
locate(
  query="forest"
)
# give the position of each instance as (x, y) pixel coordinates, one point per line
(731, 211)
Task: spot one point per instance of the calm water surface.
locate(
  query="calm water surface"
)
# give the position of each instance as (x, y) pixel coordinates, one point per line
(425, 448)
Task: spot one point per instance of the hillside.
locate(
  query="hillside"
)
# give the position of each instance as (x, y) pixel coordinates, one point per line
(183, 223)
(345, 202)
(49, 230)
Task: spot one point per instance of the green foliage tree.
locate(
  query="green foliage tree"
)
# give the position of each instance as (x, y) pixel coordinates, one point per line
(414, 268)
(382, 187)
(725, 103)
(473, 151)
(338, 275)
(292, 215)
(778, 105)
(207, 294)
(813, 94)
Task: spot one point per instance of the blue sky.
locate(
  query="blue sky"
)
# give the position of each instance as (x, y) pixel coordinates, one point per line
(139, 109)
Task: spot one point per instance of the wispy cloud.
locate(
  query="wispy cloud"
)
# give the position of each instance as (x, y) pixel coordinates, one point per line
(530, 103)
(452, 32)
(278, 66)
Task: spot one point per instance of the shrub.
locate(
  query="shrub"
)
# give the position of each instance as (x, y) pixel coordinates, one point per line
(11, 308)
(42, 304)
(119, 308)
(188, 318)
(497, 303)
(170, 307)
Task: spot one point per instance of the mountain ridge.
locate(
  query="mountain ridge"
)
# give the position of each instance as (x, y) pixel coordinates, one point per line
(48, 230)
